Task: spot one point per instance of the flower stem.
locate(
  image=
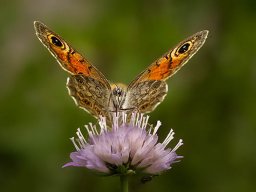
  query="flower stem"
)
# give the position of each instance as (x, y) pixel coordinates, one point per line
(124, 183)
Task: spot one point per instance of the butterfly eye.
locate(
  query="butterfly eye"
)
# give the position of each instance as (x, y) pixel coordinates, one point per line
(184, 48)
(56, 41)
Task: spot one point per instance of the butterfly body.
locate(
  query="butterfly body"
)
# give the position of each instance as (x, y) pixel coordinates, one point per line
(93, 92)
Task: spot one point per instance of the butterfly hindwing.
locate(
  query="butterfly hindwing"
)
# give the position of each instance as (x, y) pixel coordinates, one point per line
(145, 96)
(89, 94)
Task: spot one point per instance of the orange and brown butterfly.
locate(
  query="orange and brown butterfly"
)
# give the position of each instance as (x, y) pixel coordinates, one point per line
(91, 90)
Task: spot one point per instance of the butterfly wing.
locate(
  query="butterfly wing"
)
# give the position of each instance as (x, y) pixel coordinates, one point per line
(146, 95)
(150, 88)
(87, 85)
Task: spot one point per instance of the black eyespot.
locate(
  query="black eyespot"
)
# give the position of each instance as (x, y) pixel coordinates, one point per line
(183, 48)
(56, 41)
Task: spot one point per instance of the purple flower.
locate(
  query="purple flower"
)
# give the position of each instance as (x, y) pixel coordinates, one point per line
(129, 146)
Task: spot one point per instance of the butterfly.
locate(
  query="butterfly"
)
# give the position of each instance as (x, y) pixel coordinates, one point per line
(91, 90)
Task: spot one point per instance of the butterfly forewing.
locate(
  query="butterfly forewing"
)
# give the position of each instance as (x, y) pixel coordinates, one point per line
(152, 80)
(69, 59)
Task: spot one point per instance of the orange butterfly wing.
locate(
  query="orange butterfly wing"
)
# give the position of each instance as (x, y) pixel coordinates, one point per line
(88, 87)
(149, 88)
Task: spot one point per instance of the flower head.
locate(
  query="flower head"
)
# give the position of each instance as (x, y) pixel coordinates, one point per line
(129, 146)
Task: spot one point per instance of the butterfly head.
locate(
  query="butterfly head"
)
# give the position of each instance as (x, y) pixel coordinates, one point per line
(118, 92)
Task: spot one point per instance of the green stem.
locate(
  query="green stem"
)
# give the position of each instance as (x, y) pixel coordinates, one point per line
(124, 183)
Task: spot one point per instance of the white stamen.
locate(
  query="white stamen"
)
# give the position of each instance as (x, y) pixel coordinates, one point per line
(115, 121)
(89, 131)
(139, 120)
(103, 124)
(136, 119)
(79, 143)
(74, 143)
(92, 129)
(95, 130)
(168, 138)
(158, 124)
(124, 115)
(145, 122)
(178, 145)
(81, 137)
(150, 129)
(132, 121)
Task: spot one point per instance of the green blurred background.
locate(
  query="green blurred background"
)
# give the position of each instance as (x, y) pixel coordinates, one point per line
(211, 102)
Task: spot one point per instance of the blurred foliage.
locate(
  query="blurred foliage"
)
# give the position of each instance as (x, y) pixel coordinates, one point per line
(211, 102)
